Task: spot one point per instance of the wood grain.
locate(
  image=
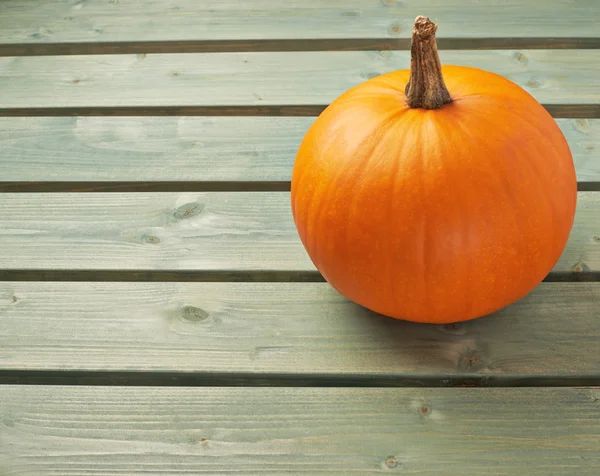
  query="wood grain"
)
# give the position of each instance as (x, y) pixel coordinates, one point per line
(264, 79)
(48, 21)
(187, 149)
(294, 329)
(229, 231)
(110, 431)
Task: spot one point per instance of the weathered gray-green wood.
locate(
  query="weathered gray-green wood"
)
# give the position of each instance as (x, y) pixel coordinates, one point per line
(43, 21)
(191, 231)
(297, 328)
(188, 148)
(234, 79)
(102, 430)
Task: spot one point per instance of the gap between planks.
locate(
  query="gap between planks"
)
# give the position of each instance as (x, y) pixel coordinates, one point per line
(558, 111)
(245, 379)
(163, 186)
(174, 186)
(288, 45)
(218, 276)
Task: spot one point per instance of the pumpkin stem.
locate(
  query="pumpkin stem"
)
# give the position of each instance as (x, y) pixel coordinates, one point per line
(425, 88)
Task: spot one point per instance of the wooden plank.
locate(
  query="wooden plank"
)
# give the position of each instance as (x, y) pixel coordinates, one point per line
(298, 329)
(52, 21)
(191, 231)
(187, 149)
(157, 148)
(263, 79)
(257, 431)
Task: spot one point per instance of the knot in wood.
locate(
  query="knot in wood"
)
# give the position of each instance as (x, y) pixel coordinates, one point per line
(520, 58)
(391, 462)
(472, 361)
(194, 314)
(153, 240)
(581, 267)
(396, 29)
(455, 328)
(188, 210)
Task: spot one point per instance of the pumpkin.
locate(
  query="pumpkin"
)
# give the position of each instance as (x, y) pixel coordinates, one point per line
(435, 194)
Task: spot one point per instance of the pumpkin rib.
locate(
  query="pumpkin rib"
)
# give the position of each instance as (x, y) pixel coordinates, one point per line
(548, 196)
(333, 182)
(393, 116)
(511, 208)
(316, 192)
(456, 132)
(467, 82)
(370, 153)
(393, 292)
(421, 159)
(464, 211)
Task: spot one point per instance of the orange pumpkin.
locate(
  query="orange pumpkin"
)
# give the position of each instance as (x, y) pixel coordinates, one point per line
(438, 194)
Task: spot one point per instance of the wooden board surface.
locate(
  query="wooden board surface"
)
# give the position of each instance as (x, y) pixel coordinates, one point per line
(137, 149)
(43, 21)
(262, 79)
(191, 231)
(254, 334)
(297, 328)
(110, 431)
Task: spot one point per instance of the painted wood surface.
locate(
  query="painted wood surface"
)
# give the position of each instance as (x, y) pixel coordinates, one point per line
(110, 431)
(43, 21)
(262, 79)
(191, 231)
(300, 329)
(188, 148)
(264, 329)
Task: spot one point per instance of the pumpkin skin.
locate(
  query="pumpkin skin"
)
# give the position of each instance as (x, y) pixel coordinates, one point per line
(434, 215)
